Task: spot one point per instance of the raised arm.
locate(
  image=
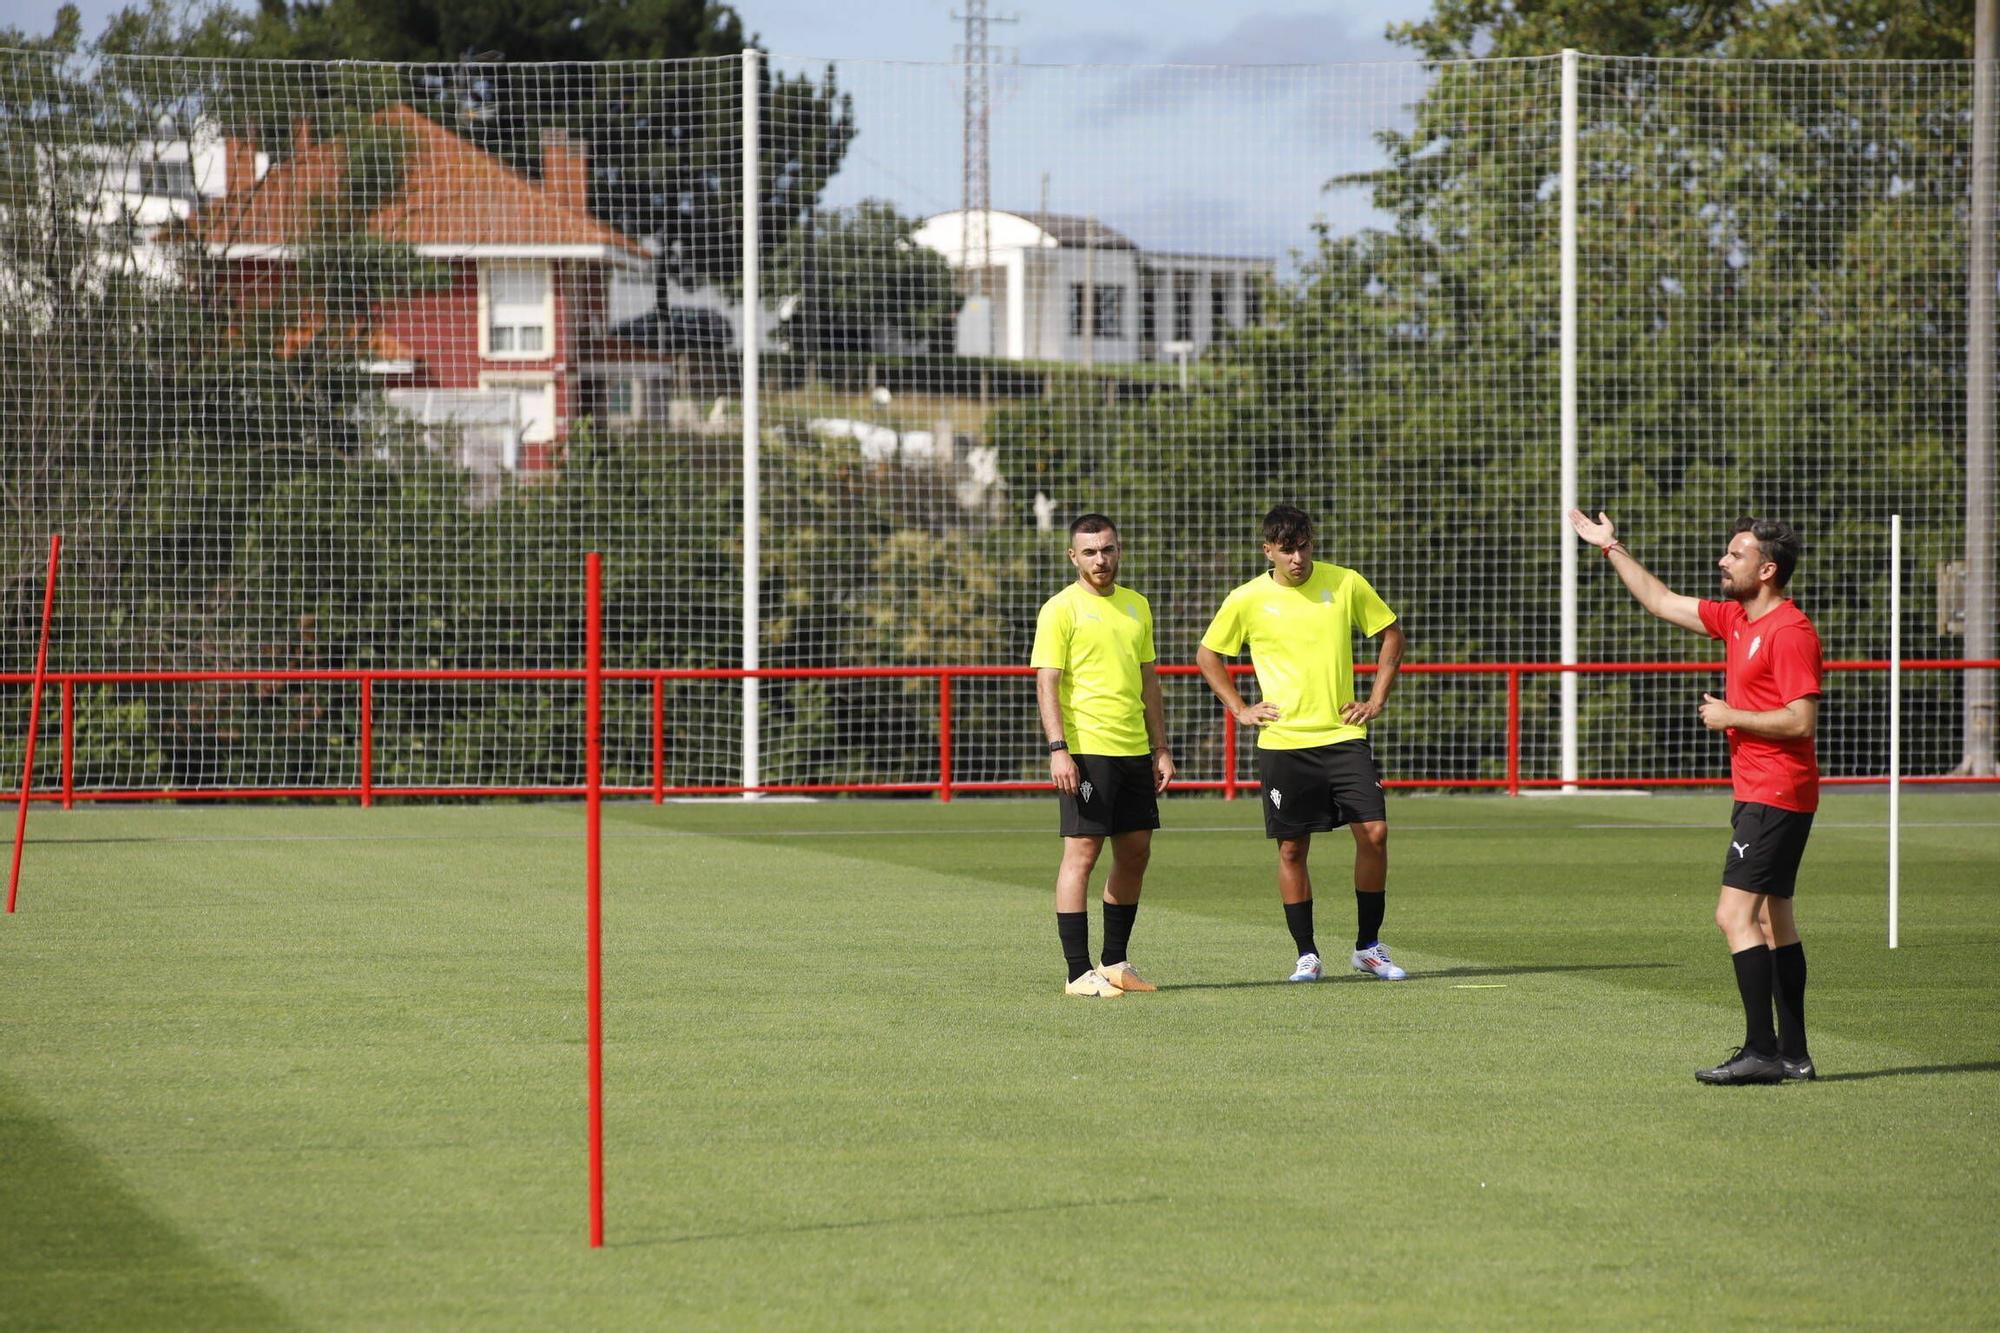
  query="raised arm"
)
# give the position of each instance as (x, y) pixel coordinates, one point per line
(1658, 599)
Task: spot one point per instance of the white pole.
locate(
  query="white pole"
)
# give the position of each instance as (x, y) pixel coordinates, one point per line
(1895, 716)
(752, 339)
(1565, 539)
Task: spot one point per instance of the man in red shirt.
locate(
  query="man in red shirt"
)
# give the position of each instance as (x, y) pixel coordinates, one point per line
(1769, 711)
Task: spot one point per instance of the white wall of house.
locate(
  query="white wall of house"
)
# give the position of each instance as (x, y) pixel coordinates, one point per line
(1036, 287)
(130, 191)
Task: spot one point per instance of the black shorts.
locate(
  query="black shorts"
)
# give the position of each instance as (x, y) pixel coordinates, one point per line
(1114, 795)
(1765, 845)
(1320, 788)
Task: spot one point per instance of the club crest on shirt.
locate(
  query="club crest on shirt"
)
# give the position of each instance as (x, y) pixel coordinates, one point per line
(1755, 644)
(1083, 792)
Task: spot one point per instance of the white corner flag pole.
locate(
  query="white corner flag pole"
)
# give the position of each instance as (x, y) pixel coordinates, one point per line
(1895, 714)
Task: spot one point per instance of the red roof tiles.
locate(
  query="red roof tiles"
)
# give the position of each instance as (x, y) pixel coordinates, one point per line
(453, 194)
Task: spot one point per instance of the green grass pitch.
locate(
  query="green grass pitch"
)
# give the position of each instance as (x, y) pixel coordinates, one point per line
(324, 1067)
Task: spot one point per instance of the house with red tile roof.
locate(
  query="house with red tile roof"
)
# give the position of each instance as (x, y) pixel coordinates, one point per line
(527, 270)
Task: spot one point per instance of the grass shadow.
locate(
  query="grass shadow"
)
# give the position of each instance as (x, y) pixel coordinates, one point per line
(923, 1219)
(1975, 1067)
(85, 1250)
(1441, 974)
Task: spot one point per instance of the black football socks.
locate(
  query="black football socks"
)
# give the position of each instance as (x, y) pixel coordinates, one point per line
(1118, 919)
(1073, 928)
(1754, 982)
(1788, 969)
(1368, 909)
(1299, 920)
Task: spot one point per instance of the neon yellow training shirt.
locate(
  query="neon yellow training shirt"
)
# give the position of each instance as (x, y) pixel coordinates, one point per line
(1302, 640)
(1099, 644)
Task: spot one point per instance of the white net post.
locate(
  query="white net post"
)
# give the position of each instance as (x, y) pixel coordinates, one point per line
(1895, 721)
(752, 344)
(1571, 187)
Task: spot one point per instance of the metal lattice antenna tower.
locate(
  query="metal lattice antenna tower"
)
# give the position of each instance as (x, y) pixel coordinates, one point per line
(976, 54)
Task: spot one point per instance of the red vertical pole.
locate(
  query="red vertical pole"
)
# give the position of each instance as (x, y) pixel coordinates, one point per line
(944, 736)
(659, 739)
(1228, 755)
(69, 745)
(1513, 733)
(593, 779)
(34, 718)
(367, 741)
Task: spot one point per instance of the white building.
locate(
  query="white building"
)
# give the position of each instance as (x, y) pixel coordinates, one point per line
(1066, 288)
(136, 189)
(123, 195)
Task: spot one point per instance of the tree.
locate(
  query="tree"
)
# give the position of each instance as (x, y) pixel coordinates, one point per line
(663, 139)
(1724, 29)
(863, 283)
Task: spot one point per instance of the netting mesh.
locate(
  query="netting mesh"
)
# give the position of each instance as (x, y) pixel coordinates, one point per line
(344, 367)
(1773, 258)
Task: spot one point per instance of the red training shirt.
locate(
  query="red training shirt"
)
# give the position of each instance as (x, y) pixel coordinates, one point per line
(1771, 661)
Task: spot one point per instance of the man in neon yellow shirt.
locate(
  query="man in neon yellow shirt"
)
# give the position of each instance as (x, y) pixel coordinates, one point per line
(1106, 729)
(1313, 757)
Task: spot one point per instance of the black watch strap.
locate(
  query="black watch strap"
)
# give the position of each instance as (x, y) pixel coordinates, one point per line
(1058, 745)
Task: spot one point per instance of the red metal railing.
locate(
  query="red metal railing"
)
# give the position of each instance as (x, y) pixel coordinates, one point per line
(946, 785)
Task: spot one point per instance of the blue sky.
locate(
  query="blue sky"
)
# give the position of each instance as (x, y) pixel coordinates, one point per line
(1225, 146)
(1119, 32)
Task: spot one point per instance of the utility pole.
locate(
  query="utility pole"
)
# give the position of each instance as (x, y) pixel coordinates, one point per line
(976, 54)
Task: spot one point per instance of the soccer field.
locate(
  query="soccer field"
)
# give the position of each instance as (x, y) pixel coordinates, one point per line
(325, 1067)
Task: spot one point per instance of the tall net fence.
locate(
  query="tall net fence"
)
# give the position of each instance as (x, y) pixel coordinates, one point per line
(336, 371)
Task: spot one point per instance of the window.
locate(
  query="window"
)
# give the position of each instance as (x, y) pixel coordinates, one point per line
(534, 401)
(624, 399)
(518, 311)
(1184, 307)
(173, 180)
(1107, 311)
(1149, 318)
(1218, 302)
(1253, 303)
(1111, 312)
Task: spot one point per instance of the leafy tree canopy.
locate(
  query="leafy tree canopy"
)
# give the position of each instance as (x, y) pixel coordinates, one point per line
(663, 141)
(1735, 29)
(863, 284)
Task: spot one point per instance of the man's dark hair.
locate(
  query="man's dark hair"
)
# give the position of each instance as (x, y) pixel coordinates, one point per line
(1287, 527)
(1090, 523)
(1776, 542)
